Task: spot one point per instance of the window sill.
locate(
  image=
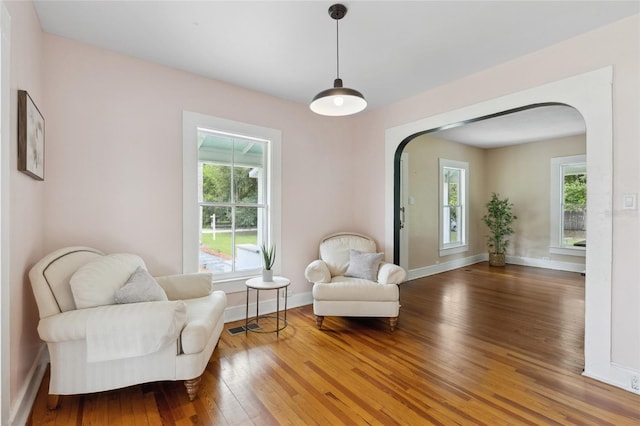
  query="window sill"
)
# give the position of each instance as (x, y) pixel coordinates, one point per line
(568, 251)
(453, 250)
(233, 285)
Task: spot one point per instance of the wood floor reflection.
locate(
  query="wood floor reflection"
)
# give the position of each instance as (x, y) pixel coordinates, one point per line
(478, 345)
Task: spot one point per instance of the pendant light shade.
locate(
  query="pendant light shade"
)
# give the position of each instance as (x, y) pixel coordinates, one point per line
(338, 100)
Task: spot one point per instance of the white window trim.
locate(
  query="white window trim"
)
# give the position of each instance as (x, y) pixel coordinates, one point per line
(555, 233)
(463, 246)
(190, 212)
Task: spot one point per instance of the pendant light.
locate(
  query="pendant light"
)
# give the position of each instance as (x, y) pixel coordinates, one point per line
(338, 100)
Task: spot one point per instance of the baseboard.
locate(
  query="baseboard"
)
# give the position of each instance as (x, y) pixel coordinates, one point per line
(446, 266)
(546, 264)
(514, 260)
(617, 375)
(21, 408)
(236, 313)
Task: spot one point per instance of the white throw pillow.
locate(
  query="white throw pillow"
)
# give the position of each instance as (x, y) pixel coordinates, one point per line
(363, 265)
(140, 287)
(95, 283)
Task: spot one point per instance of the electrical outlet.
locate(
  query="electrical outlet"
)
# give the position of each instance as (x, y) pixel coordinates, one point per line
(635, 383)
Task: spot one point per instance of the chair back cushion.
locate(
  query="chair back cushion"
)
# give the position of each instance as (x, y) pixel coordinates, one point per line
(334, 250)
(50, 278)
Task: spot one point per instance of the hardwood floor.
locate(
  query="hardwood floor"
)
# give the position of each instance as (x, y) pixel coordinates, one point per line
(479, 345)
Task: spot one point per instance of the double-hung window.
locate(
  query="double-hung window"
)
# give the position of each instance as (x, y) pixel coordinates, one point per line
(231, 197)
(568, 205)
(454, 199)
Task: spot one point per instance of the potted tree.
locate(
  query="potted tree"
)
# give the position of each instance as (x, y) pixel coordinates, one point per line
(268, 259)
(498, 219)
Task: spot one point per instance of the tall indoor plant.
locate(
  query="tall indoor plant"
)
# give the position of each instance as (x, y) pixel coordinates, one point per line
(268, 259)
(498, 219)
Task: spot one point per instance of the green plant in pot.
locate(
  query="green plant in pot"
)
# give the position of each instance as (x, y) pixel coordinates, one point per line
(498, 219)
(268, 259)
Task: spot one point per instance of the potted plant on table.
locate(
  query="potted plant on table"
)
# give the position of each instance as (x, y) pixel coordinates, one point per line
(498, 219)
(268, 259)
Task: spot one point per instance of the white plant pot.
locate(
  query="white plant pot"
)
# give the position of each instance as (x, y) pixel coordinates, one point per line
(267, 275)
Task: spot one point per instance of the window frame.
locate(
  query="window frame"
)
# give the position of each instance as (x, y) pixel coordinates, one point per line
(446, 249)
(557, 201)
(232, 282)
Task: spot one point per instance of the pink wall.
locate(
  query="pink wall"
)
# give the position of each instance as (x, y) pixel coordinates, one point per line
(114, 159)
(616, 44)
(26, 199)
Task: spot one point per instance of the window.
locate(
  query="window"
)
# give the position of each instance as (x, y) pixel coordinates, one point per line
(568, 205)
(453, 201)
(231, 184)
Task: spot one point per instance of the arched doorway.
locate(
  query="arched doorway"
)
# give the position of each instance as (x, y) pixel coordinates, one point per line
(595, 105)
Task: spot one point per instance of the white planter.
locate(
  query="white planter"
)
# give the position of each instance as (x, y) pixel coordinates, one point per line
(267, 275)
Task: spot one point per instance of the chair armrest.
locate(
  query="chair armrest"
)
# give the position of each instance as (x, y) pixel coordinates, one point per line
(317, 272)
(72, 325)
(389, 273)
(186, 286)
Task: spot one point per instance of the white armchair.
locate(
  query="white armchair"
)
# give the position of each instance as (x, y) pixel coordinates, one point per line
(350, 279)
(96, 344)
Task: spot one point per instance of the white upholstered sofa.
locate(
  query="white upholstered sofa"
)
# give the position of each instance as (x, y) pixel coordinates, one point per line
(352, 280)
(96, 344)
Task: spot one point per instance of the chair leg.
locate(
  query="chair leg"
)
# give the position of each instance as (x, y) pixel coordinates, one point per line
(192, 386)
(319, 320)
(53, 401)
(393, 322)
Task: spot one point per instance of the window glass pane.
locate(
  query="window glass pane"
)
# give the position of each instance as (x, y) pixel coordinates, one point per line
(454, 214)
(247, 244)
(249, 161)
(216, 183)
(216, 239)
(245, 184)
(574, 209)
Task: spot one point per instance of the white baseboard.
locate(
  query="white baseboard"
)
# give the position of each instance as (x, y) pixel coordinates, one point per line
(235, 313)
(546, 264)
(446, 266)
(21, 408)
(619, 376)
(514, 260)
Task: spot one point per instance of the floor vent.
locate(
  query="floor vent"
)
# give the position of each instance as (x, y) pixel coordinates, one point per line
(237, 330)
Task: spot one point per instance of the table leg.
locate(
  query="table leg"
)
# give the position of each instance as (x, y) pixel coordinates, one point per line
(246, 315)
(278, 313)
(257, 306)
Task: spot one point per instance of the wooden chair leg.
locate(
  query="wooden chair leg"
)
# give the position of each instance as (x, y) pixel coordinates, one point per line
(53, 401)
(393, 322)
(192, 386)
(319, 320)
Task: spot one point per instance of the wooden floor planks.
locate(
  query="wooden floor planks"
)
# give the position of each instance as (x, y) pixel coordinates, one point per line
(474, 346)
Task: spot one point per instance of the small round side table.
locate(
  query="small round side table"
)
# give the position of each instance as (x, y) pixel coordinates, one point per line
(257, 284)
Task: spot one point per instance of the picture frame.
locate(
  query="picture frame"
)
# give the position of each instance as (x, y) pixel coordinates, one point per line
(30, 137)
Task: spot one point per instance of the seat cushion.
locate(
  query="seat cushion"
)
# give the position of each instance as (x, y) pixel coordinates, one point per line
(355, 289)
(203, 314)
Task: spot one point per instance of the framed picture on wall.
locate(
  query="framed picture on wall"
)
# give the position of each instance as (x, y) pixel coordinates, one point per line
(30, 137)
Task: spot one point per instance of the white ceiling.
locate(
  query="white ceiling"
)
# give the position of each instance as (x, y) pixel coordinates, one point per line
(389, 50)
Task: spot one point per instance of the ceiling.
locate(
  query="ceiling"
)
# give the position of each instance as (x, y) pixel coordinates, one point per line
(389, 50)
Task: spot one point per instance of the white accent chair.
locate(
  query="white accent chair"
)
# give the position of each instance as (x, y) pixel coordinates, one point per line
(335, 294)
(186, 327)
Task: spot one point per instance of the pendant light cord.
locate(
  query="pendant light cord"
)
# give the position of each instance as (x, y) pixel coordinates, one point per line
(337, 50)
